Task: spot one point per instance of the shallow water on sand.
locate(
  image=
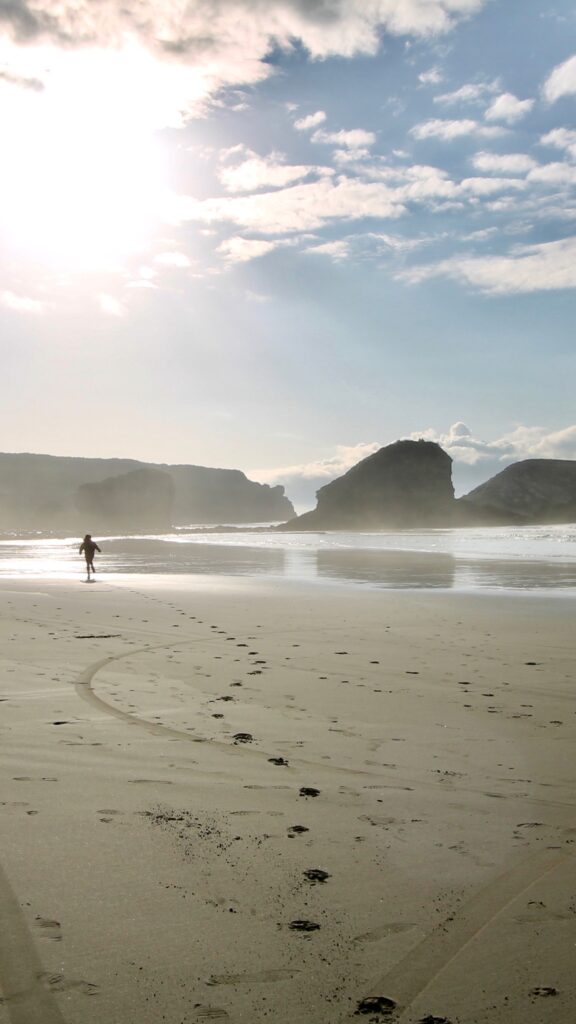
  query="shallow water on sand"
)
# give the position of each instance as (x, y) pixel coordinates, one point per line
(528, 558)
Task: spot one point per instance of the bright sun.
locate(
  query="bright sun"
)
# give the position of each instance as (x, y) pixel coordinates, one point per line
(82, 169)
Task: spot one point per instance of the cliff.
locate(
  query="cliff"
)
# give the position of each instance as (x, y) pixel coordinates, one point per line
(407, 484)
(530, 492)
(140, 500)
(51, 492)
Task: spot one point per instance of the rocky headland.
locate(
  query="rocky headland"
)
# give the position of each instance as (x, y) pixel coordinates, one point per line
(51, 492)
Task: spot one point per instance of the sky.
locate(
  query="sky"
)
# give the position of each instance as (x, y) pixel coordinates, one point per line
(275, 235)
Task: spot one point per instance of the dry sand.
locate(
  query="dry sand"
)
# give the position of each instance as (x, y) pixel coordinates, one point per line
(160, 861)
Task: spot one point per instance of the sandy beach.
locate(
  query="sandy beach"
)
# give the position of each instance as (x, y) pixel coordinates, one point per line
(253, 800)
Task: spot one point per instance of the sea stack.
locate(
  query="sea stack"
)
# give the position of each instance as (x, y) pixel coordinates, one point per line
(406, 484)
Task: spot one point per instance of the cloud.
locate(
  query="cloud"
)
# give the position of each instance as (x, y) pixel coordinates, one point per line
(21, 303)
(509, 108)
(561, 138)
(472, 92)
(304, 124)
(561, 81)
(521, 443)
(338, 250)
(507, 163)
(487, 186)
(257, 172)
(22, 81)
(354, 138)
(431, 77)
(303, 207)
(302, 480)
(548, 266)
(554, 174)
(240, 250)
(436, 128)
(224, 43)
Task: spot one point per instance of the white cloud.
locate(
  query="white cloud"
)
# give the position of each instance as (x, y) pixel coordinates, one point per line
(299, 208)
(561, 81)
(561, 138)
(554, 174)
(436, 128)
(507, 163)
(240, 250)
(304, 124)
(521, 443)
(338, 250)
(21, 303)
(258, 172)
(347, 157)
(472, 92)
(509, 108)
(322, 470)
(354, 138)
(488, 186)
(187, 52)
(431, 77)
(547, 266)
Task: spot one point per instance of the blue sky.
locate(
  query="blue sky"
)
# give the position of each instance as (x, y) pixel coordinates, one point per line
(277, 235)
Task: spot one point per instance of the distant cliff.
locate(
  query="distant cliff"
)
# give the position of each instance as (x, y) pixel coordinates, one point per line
(51, 492)
(406, 484)
(140, 500)
(530, 492)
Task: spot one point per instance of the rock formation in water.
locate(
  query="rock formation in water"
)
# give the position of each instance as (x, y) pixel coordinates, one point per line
(49, 492)
(527, 493)
(407, 484)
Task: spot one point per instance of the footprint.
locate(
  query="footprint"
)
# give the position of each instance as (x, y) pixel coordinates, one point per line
(210, 1013)
(376, 1005)
(52, 928)
(316, 875)
(278, 974)
(393, 928)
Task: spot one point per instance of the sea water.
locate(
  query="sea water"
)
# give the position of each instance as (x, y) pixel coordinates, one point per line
(513, 558)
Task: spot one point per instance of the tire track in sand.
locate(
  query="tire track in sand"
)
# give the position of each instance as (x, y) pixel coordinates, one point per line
(85, 690)
(25, 996)
(426, 962)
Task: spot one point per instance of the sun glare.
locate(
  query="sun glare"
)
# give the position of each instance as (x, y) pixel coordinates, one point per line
(82, 165)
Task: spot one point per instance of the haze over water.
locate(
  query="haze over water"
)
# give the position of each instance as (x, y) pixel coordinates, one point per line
(504, 558)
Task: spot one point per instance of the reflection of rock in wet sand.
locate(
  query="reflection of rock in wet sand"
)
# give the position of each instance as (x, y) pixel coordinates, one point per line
(389, 568)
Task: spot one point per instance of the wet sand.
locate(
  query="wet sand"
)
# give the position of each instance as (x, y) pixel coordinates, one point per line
(255, 800)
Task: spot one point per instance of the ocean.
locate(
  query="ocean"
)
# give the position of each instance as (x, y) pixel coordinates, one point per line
(503, 558)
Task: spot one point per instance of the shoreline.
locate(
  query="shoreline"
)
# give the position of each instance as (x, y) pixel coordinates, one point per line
(148, 836)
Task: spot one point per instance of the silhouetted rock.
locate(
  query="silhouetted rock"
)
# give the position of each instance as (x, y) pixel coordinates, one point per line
(140, 500)
(406, 484)
(41, 492)
(527, 493)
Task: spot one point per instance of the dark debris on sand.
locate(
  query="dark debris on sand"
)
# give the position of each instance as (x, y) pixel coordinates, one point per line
(379, 1005)
(301, 925)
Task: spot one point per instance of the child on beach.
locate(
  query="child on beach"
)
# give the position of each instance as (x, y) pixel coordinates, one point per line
(89, 546)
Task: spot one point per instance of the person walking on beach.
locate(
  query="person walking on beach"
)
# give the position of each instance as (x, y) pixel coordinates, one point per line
(88, 547)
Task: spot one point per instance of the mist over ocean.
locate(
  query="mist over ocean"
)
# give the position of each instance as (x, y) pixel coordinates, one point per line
(508, 558)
